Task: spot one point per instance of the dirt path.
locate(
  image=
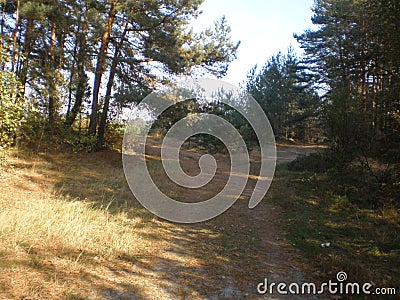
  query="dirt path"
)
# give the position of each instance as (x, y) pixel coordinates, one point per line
(227, 257)
(287, 153)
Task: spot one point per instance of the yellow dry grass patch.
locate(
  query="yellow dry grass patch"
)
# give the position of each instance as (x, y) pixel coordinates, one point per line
(56, 246)
(49, 222)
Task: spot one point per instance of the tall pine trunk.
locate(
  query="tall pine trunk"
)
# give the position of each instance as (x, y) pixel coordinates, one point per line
(71, 77)
(82, 78)
(104, 114)
(52, 80)
(15, 35)
(2, 24)
(27, 52)
(100, 67)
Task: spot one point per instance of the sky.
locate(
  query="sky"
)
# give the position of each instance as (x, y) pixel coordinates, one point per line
(264, 28)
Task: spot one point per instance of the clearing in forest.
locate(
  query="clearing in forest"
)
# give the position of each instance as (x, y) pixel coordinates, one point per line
(70, 228)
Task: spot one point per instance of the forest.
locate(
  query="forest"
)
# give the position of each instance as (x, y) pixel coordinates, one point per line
(71, 69)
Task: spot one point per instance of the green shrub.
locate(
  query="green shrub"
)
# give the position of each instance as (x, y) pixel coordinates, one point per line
(79, 141)
(11, 104)
(113, 135)
(315, 162)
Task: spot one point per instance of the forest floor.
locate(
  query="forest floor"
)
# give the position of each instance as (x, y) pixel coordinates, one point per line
(71, 229)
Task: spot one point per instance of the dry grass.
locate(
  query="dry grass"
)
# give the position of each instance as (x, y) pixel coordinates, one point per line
(57, 222)
(51, 241)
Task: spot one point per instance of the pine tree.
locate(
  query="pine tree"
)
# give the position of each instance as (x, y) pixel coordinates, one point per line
(283, 93)
(352, 54)
(161, 39)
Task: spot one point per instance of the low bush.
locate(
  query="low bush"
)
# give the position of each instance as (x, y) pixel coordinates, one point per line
(315, 162)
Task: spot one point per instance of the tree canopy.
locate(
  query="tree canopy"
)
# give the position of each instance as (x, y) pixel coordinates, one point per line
(63, 52)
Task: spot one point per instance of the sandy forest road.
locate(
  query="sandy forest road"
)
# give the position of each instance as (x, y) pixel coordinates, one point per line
(226, 257)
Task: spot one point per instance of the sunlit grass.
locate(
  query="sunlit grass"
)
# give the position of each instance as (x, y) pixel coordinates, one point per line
(54, 243)
(56, 222)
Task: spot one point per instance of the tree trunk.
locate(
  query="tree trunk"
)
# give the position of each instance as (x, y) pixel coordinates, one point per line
(100, 66)
(27, 51)
(15, 34)
(3, 12)
(82, 78)
(71, 77)
(51, 80)
(19, 62)
(104, 114)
